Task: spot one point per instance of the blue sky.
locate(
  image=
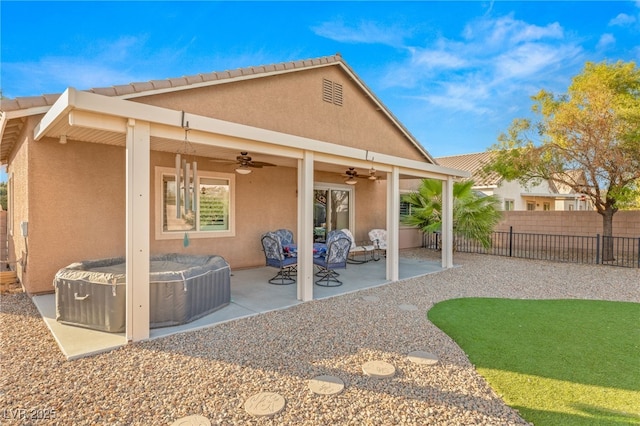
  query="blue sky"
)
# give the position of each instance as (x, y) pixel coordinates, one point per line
(454, 73)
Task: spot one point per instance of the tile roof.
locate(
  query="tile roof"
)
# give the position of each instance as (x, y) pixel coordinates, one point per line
(133, 89)
(474, 164)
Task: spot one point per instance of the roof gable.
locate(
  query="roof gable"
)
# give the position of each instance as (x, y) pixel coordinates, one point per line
(11, 108)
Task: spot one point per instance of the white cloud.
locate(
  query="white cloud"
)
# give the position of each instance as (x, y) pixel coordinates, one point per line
(509, 31)
(622, 20)
(605, 41)
(364, 32)
(495, 64)
(438, 58)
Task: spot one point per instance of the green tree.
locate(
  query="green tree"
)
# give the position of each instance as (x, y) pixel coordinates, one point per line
(474, 215)
(587, 139)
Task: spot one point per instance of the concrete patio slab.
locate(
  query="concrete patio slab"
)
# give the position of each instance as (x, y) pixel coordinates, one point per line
(251, 294)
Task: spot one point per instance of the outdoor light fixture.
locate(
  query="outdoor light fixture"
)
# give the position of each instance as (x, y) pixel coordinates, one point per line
(351, 176)
(63, 139)
(351, 181)
(243, 169)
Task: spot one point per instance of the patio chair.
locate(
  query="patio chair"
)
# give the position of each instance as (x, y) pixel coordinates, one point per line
(379, 239)
(365, 251)
(286, 236)
(276, 258)
(337, 253)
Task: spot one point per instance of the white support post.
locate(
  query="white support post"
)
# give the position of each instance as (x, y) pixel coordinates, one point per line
(305, 227)
(447, 223)
(393, 224)
(137, 234)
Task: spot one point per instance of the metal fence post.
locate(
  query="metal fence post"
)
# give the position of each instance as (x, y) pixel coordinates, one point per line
(510, 240)
(638, 252)
(597, 249)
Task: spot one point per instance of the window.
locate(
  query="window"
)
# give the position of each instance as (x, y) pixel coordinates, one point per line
(546, 206)
(508, 205)
(405, 208)
(531, 206)
(210, 212)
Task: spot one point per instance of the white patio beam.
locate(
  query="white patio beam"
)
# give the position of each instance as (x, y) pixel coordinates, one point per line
(447, 223)
(72, 99)
(393, 224)
(305, 227)
(137, 230)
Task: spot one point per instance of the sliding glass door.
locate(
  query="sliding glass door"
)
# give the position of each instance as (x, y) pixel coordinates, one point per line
(333, 209)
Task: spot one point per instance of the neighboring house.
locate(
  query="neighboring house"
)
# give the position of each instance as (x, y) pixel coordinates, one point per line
(92, 174)
(546, 195)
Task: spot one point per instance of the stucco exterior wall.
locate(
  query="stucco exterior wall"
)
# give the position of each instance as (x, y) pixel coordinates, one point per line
(17, 172)
(583, 223)
(77, 207)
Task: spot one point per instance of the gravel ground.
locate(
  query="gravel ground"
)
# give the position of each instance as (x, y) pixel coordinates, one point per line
(212, 372)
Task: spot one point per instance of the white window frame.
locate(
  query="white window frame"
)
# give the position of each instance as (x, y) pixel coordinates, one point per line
(352, 198)
(161, 234)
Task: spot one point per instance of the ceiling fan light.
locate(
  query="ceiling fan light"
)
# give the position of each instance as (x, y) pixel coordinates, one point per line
(243, 170)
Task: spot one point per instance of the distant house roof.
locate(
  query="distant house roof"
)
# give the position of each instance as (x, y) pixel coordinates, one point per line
(474, 164)
(14, 111)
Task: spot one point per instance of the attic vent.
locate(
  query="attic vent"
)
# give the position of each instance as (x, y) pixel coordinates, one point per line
(331, 92)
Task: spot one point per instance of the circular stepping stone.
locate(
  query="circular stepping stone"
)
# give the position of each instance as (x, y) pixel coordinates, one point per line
(422, 358)
(378, 369)
(371, 298)
(194, 420)
(408, 307)
(264, 404)
(326, 385)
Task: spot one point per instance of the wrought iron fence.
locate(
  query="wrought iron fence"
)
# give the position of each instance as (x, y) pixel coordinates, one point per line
(615, 251)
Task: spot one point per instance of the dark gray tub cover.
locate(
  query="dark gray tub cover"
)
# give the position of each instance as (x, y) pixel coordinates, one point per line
(182, 288)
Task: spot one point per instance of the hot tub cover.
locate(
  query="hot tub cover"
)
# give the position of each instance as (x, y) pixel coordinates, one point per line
(182, 288)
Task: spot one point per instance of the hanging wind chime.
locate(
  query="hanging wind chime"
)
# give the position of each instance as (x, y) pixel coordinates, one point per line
(186, 180)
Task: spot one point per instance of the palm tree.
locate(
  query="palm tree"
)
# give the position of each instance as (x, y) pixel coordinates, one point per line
(474, 214)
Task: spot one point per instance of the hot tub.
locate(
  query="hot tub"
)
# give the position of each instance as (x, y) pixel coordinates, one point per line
(182, 288)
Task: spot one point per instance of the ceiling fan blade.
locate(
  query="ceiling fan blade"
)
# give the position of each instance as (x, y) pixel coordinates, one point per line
(260, 164)
(221, 160)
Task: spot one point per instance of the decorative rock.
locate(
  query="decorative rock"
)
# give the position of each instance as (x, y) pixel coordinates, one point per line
(405, 307)
(326, 385)
(264, 404)
(423, 358)
(194, 420)
(371, 298)
(378, 369)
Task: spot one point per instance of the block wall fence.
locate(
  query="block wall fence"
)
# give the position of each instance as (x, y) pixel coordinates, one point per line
(583, 223)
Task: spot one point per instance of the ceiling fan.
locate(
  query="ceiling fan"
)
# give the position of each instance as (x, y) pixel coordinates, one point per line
(245, 163)
(352, 174)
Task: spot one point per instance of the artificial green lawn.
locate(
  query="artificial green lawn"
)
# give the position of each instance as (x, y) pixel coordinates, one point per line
(558, 362)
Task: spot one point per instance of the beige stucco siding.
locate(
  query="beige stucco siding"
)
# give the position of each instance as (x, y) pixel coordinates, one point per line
(292, 103)
(79, 210)
(17, 171)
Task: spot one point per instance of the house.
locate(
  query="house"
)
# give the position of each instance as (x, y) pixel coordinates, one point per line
(93, 174)
(545, 195)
